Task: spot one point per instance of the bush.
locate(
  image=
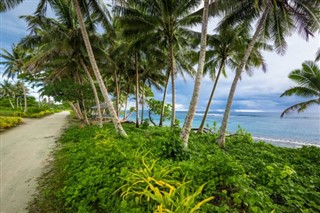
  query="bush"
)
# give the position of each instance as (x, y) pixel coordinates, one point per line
(7, 122)
(97, 171)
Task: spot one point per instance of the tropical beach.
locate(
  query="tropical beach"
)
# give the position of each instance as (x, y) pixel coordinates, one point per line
(159, 106)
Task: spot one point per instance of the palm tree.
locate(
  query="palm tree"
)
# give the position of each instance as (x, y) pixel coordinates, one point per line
(13, 65)
(8, 4)
(7, 90)
(308, 86)
(227, 48)
(117, 124)
(61, 52)
(19, 90)
(163, 21)
(276, 19)
(196, 91)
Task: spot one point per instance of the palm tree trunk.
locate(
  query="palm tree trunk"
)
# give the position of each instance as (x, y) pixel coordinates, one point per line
(222, 132)
(95, 93)
(164, 100)
(85, 113)
(17, 102)
(200, 130)
(104, 91)
(196, 91)
(74, 109)
(12, 106)
(77, 106)
(126, 104)
(137, 89)
(142, 103)
(117, 92)
(24, 97)
(172, 71)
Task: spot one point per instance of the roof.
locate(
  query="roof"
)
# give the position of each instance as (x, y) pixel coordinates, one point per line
(102, 106)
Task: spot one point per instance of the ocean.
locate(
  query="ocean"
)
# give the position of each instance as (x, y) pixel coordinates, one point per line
(293, 130)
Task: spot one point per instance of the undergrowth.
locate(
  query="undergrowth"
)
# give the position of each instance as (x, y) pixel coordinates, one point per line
(96, 171)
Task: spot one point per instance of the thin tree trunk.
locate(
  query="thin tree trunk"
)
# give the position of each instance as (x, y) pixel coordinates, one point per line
(137, 89)
(172, 71)
(95, 93)
(150, 118)
(117, 92)
(200, 130)
(77, 106)
(12, 106)
(85, 113)
(142, 103)
(126, 104)
(222, 132)
(25, 98)
(196, 91)
(17, 102)
(164, 100)
(74, 110)
(39, 103)
(104, 91)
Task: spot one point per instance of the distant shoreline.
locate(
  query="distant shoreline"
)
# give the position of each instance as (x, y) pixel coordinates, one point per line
(285, 143)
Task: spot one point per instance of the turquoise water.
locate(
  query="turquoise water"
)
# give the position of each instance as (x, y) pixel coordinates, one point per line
(292, 130)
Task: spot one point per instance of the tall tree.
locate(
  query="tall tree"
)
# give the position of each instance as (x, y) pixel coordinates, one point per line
(7, 90)
(60, 55)
(196, 91)
(276, 19)
(307, 82)
(13, 63)
(163, 21)
(104, 91)
(226, 49)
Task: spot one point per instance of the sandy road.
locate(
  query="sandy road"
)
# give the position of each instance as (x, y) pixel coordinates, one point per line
(24, 152)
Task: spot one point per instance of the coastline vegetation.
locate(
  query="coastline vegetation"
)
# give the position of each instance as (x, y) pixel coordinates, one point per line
(97, 171)
(8, 122)
(144, 45)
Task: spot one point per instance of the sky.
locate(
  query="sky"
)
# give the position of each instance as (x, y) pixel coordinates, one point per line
(259, 92)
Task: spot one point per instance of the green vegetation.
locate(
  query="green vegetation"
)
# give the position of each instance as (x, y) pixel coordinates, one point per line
(97, 171)
(307, 82)
(33, 112)
(7, 122)
(142, 45)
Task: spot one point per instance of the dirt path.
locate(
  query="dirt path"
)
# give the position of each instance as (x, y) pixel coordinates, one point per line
(24, 152)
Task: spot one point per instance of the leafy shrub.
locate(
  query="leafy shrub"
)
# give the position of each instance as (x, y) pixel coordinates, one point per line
(145, 124)
(20, 114)
(97, 171)
(156, 186)
(7, 122)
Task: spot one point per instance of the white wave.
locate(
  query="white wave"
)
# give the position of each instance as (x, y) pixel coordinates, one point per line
(249, 110)
(209, 114)
(296, 143)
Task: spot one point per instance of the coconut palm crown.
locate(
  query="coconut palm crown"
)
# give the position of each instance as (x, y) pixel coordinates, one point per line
(308, 86)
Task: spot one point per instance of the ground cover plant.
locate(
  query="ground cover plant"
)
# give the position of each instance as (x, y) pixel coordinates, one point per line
(97, 171)
(7, 122)
(33, 112)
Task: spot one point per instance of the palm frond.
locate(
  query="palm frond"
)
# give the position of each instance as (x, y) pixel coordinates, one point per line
(300, 107)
